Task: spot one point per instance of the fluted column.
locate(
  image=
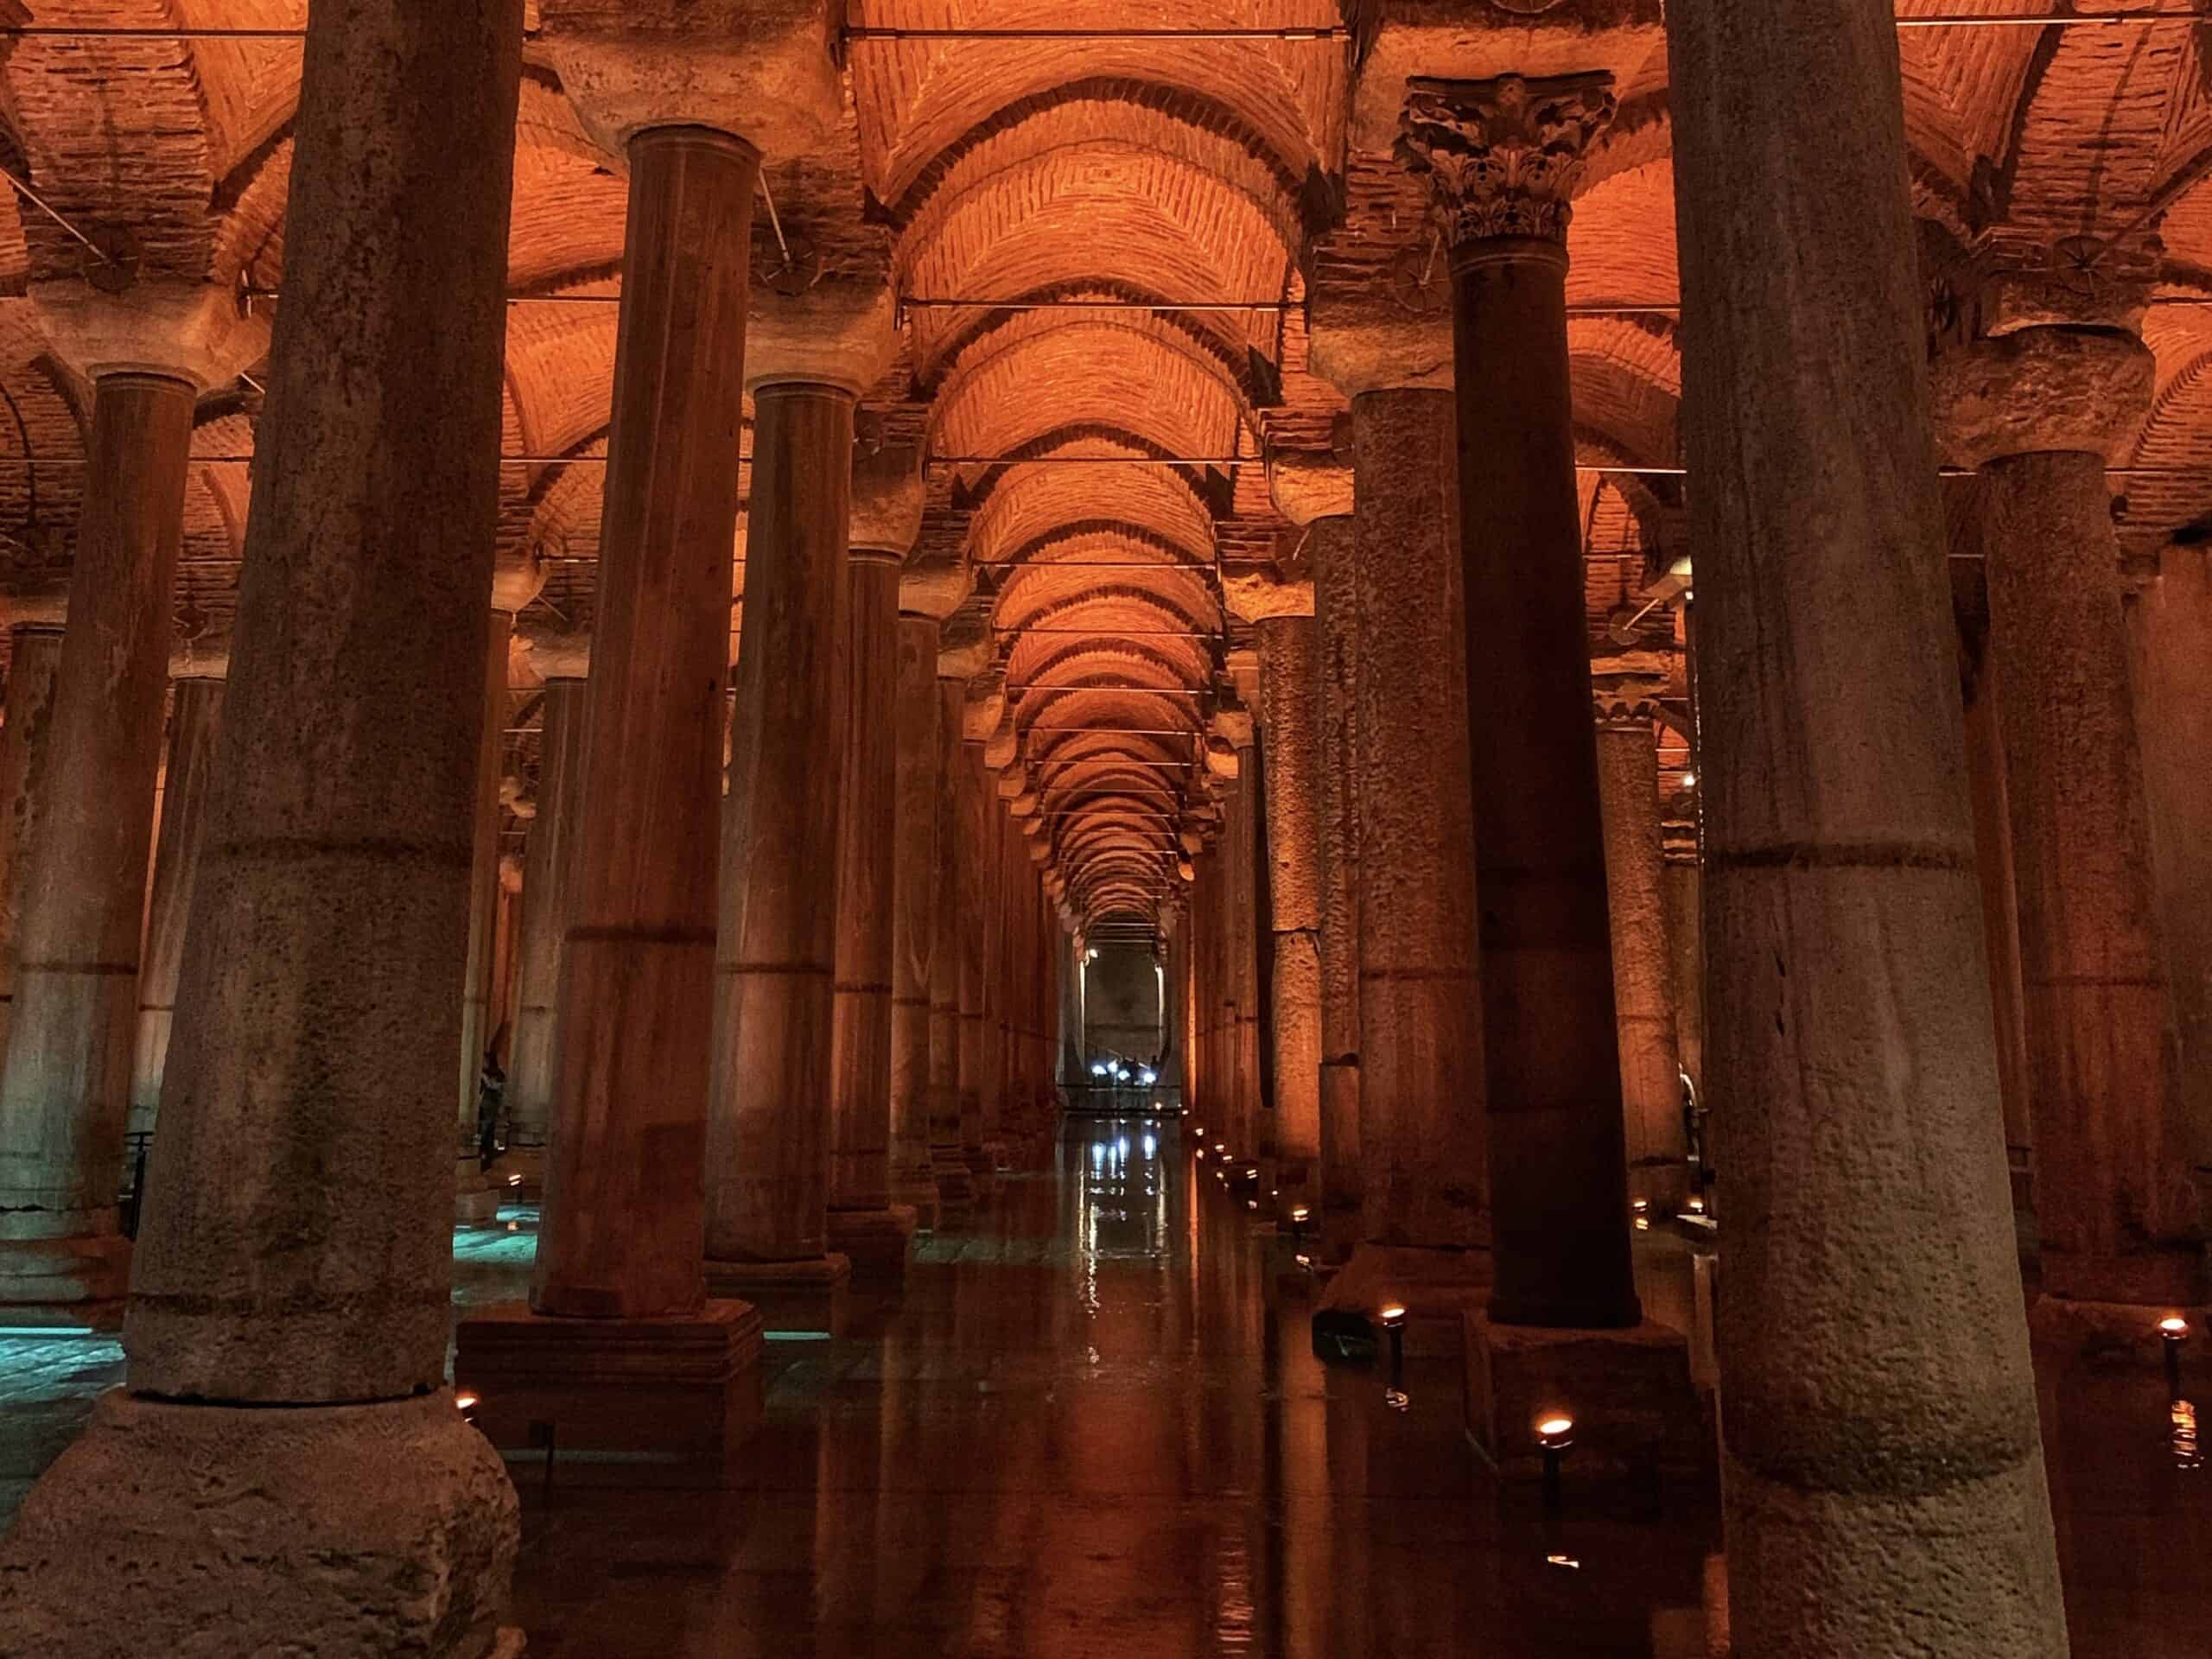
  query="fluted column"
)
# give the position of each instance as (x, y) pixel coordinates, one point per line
(1643, 985)
(886, 519)
(1503, 156)
(294, 1258)
(2118, 1217)
(549, 875)
(1884, 1482)
(194, 719)
(64, 1086)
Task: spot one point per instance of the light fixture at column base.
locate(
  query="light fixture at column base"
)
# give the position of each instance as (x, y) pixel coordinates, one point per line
(624, 1402)
(1628, 1394)
(350, 1532)
(2117, 1332)
(1435, 1286)
(877, 1242)
(804, 1295)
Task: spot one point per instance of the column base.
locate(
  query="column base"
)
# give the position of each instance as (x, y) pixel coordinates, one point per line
(475, 1200)
(77, 1281)
(1437, 1289)
(956, 1186)
(980, 1170)
(528, 1162)
(876, 1241)
(808, 1295)
(919, 1195)
(1628, 1393)
(349, 1532)
(665, 1401)
(2122, 1332)
(2167, 1279)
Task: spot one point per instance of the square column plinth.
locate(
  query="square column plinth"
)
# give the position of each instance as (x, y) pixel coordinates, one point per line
(876, 1241)
(666, 1401)
(804, 1295)
(1439, 1289)
(1628, 1394)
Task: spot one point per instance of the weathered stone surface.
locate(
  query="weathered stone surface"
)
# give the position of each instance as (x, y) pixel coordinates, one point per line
(194, 332)
(1254, 594)
(935, 589)
(835, 334)
(1306, 486)
(348, 1532)
(2078, 389)
(888, 497)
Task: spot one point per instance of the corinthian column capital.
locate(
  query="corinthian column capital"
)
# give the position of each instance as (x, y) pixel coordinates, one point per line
(1504, 154)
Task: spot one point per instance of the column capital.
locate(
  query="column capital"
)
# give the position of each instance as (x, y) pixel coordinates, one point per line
(517, 578)
(541, 656)
(837, 333)
(1261, 593)
(759, 70)
(1308, 485)
(981, 714)
(2040, 389)
(887, 499)
(189, 331)
(1504, 154)
(934, 588)
(965, 655)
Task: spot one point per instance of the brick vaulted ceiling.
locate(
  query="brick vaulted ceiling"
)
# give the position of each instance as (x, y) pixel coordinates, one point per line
(1125, 169)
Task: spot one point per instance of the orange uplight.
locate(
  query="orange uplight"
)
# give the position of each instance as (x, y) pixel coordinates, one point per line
(1394, 1314)
(2176, 1326)
(1298, 1212)
(1554, 1430)
(465, 1401)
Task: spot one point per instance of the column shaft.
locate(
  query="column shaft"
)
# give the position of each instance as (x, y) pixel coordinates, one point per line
(1333, 547)
(1551, 1067)
(549, 872)
(1289, 694)
(194, 723)
(913, 913)
(1421, 1130)
(768, 1128)
(972, 933)
(65, 1089)
(34, 662)
(480, 1017)
(2116, 1209)
(1883, 1480)
(952, 1175)
(860, 1130)
(625, 1224)
(1643, 984)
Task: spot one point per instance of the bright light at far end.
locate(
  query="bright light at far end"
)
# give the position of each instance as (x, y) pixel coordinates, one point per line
(1689, 780)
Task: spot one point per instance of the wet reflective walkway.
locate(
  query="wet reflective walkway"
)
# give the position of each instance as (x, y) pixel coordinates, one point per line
(1093, 1425)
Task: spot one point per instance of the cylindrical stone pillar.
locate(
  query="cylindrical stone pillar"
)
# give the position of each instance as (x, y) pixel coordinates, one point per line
(625, 1227)
(973, 885)
(1643, 982)
(955, 1183)
(913, 913)
(1504, 154)
(1333, 549)
(2118, 1213)
(1420, 1090)
(768, 1123)
(1289, 688)
(297, 1247)
(1883, 1478)
(65, 1088)
(474, 1200)
(34, 657)
(194, 720)
(549, 872)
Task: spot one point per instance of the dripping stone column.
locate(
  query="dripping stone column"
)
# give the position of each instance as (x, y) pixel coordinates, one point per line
(865, 1226)
(1643, 985)
(2037, 412)
(65, 1087)
(285, 1407)
(620, 1347)
(1425, 1231)
(771, 1101)
(927, 594)
(34, 657)
(548, 872)
(1884, 1485)
(194, 719)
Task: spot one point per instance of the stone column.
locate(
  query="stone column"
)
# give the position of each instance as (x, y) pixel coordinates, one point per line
(1251, 912)
(1644, 969)
(771, 1100)
(1883, 1481)
(1424, 1230)
(973, 883)
(955, 1181)
(1289, 693)
(2170, 620)
(65, 1088)
(34, 657)
(549, 875)
(927, 594)
(2038, 411)
(865, 1226)
(1503, 155)
(294, 1258)
(624, 1349)
(194, 721)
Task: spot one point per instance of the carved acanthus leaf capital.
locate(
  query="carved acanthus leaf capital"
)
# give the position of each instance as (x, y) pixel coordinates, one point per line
(1504, 155)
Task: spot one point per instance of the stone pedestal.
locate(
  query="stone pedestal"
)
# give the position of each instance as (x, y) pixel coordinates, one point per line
(667, 1401)
(876, 1241)
(349, 1532)
(1627, 1392)
(808, 1294)
(1439, 1289)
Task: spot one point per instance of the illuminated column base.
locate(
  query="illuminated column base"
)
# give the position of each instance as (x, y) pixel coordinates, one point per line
(1627, 1393)
(877, 1242)
(803, 1295)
